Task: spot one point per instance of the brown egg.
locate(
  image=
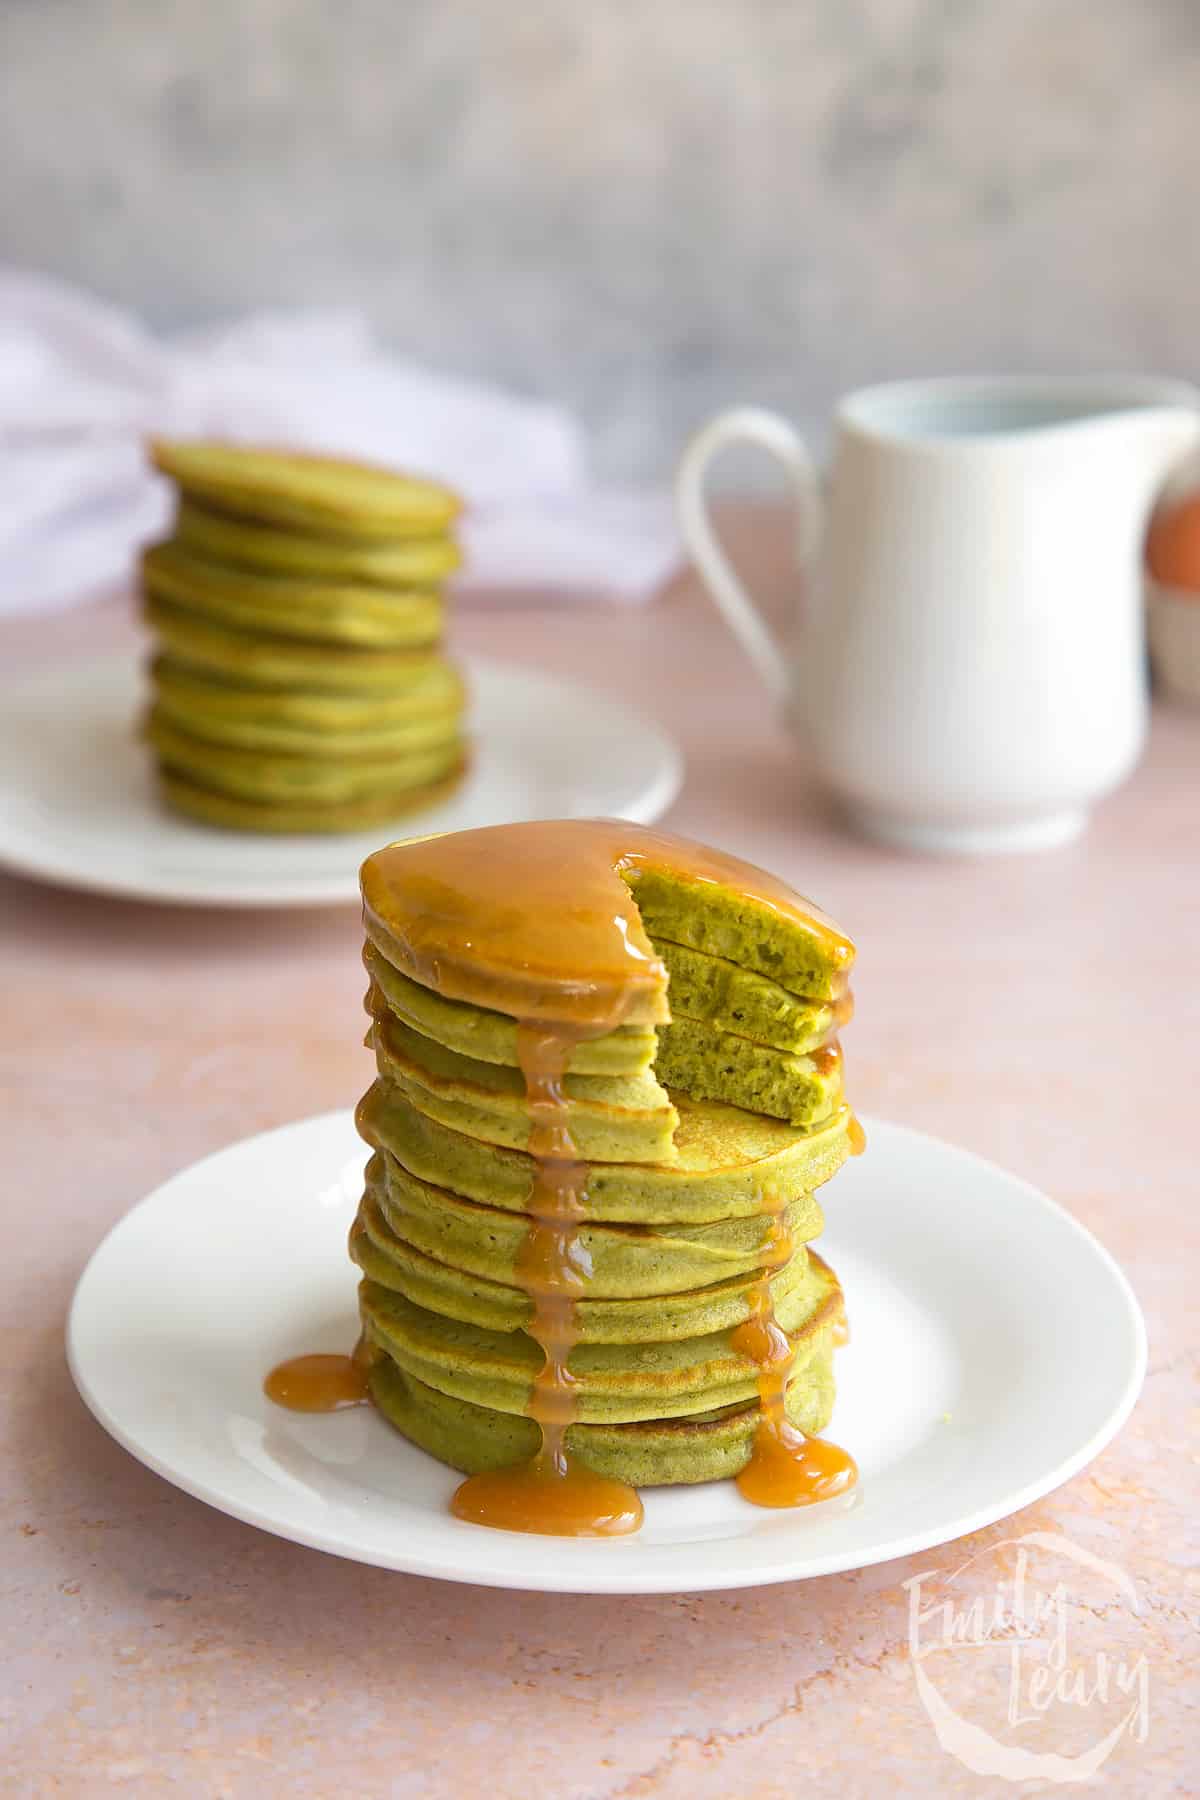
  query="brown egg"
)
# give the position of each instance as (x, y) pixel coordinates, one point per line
(1173, 544)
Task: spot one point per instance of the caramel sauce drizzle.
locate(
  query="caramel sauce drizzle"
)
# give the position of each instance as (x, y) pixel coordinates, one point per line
(553, 1494)
(787, 1466)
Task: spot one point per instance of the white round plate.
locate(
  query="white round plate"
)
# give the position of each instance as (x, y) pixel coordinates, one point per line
(78, 803)
(995, 1348)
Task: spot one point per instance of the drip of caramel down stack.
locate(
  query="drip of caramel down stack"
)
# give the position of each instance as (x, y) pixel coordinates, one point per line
(608, 1089)
(297, 607)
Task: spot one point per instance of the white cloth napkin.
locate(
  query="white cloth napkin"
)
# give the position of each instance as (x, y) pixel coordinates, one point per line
(82, 384)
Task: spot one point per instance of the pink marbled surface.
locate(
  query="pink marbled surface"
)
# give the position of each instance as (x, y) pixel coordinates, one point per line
(1042, 1010)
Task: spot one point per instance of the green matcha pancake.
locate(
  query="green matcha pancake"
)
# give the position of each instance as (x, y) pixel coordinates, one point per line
(244, 544)
(390, 1260)
(608, 1087)
(659, 1453)
(326, 725)
(808, 957)
(713, 991)
(294, 606)
(324, 495)
(228, 812)
(582, 939)
(725, 1162)
(272, 776)
(715, 1065)
(259, 660)
(611, 1118)
(613, 1383)
(531, 920)
(298, 685)
(692, 1053)
(490, 1036)
(621, 1262)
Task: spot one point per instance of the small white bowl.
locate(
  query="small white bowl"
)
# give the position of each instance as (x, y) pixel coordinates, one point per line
(1173, 623)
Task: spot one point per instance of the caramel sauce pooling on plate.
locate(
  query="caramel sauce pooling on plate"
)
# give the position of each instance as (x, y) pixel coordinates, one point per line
(319, 1384)
(787, 1466)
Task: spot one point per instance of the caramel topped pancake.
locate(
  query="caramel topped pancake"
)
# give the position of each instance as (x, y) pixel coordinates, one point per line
(584, 1232)
(552, 920)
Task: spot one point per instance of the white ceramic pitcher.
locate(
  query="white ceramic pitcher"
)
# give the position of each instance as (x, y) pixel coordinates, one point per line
(970, 671)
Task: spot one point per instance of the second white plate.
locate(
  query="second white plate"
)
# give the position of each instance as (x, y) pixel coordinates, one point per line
(78, 805)
(995, 1348)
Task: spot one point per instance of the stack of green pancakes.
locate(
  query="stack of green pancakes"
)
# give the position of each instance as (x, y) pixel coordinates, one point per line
(707, 1121)
(297, 606)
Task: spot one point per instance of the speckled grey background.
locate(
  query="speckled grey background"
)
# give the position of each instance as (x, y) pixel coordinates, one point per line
(643, 207)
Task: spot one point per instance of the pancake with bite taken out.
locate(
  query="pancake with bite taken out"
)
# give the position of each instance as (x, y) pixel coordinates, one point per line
(584, 1232)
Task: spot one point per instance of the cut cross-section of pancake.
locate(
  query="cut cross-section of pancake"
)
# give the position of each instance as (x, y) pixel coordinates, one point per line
(740, 960)
(711, 990)
(716, 1065)
(796, 947)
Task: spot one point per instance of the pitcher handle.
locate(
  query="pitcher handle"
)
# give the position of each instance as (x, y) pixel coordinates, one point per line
(751, 425)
